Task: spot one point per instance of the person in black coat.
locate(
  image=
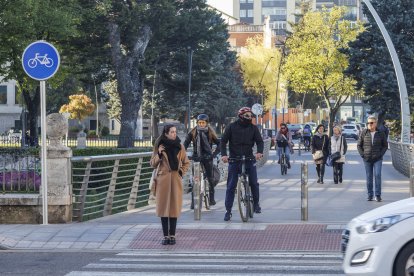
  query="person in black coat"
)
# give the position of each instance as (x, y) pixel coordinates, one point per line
(241, 136)
(372, 145)
(320, 142)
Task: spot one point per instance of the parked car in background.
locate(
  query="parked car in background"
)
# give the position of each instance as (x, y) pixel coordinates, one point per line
(381, 241)
(362, 125)
(296, 130)
(350, 131)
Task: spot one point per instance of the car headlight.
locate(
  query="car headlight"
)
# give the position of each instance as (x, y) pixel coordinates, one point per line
(381, 224)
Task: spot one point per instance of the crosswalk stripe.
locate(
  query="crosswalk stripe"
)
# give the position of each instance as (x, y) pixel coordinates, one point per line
(219, 263)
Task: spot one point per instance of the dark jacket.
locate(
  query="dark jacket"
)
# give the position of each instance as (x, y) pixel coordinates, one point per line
(241, 138)
(372, 152)
(212, 139)
(318, 143)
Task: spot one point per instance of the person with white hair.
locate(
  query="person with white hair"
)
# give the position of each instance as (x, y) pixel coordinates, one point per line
(338, 146)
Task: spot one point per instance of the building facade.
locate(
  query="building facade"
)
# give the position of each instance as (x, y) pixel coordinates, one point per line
(281, 12)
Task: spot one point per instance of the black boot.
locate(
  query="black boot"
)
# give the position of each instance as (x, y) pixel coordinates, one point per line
(318, 170)
(212, 201)
(322, 173)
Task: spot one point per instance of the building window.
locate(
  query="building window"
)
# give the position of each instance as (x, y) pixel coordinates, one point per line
(273, 11)
(278, 25)
(249, 13)
(3, 94)
(243, 13)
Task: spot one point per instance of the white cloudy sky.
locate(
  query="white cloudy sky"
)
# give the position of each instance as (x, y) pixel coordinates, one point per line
(223, 5)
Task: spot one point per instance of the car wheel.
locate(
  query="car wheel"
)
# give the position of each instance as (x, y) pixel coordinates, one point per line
(404, 263)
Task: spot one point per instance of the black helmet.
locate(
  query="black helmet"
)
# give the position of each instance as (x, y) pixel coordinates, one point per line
(202, 117)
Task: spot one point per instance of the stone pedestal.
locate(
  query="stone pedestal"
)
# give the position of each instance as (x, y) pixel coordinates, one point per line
(59, 187)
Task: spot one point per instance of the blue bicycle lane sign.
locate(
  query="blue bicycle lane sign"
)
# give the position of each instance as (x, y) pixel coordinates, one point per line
(40, 60)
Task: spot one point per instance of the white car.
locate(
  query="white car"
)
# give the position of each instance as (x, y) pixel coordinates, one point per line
(350, 131)
(381, 241)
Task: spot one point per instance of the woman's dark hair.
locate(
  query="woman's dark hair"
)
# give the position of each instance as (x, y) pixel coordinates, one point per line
(165, 131)
(167, 128)
(321, 125)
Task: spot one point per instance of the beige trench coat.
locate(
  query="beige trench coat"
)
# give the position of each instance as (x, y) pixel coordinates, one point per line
(169, 189)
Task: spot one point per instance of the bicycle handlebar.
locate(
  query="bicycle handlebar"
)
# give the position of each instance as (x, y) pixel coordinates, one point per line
(234, 159)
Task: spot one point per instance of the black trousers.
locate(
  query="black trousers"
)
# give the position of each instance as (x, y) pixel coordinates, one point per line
(338, 169)
(320, 169)
(168, 226)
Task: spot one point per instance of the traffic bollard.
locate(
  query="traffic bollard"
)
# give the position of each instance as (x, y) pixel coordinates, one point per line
(196, 191)
(304, 191)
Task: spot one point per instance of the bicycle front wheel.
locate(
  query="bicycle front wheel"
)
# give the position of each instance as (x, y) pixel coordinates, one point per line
(241, 199)
(206, 195)
(250, 200)
(282, 164)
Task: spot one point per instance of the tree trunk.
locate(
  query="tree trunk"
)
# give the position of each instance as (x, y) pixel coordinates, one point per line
(129, 78)
(32, 105)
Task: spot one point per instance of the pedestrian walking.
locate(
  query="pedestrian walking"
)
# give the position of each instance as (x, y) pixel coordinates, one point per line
(338, 146)
(372, 145)
(241, 136)
(320, 151)
(170, 160)
(203, 137)
(284, 141)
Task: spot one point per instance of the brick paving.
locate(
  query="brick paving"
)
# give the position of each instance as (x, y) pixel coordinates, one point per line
(287, 237)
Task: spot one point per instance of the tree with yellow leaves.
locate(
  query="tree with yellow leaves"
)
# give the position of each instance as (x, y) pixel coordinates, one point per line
(316, 62)
(260, 67)
(79, 107)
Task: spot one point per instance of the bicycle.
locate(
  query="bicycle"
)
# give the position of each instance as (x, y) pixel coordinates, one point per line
(43, 60)
(283, 160)
(204, 188)
(306, 142)
(244, 194)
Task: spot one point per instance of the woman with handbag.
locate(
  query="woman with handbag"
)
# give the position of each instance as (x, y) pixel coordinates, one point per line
(338, 150)
(171, 162)
(320, 151)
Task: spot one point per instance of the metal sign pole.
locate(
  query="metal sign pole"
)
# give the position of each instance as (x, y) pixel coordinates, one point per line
(43, 147)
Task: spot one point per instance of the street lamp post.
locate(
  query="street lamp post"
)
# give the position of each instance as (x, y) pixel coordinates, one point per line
(152, 106)
(282, 55)
(190, 64)
(261, 86)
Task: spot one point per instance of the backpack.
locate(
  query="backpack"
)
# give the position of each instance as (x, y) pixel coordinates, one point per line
(306, 130)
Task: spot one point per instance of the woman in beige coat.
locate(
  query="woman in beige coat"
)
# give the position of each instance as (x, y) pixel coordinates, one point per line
(170, 157)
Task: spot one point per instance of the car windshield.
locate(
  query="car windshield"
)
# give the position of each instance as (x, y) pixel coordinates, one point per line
(349, 127)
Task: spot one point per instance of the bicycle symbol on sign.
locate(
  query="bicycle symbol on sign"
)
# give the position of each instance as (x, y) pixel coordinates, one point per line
(43, 60)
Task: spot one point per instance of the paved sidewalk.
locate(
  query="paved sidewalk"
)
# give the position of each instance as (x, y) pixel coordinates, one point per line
(278, 228)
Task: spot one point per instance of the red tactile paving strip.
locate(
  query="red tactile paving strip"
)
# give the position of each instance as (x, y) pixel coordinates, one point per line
(290, 237)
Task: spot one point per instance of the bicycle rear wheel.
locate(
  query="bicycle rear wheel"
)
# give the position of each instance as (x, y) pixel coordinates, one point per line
(241, 199)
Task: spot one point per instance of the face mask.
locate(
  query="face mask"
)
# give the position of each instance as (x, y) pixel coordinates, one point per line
(246, 119)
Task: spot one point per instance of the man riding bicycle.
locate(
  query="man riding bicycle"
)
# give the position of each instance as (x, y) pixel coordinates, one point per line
(284, 141)
(203, 137)
(241, 136)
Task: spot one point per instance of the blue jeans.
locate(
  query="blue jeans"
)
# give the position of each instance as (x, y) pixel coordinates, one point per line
(373, 169)
(287, 153)
(232, 178)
